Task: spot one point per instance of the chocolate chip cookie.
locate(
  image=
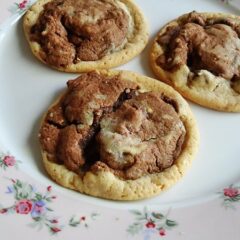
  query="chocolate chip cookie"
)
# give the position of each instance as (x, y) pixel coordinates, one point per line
(82, 35)
(199, 55)
(118, 135)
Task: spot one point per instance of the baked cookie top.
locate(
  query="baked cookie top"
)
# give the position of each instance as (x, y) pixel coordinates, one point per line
(82, 35)
(199, 55)
(112, 129)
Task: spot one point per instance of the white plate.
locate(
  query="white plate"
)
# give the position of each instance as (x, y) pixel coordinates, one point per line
(28, 87)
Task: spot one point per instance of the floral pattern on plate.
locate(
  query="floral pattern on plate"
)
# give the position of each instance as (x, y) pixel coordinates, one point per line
(150, 223)
(20, 7)
(34, 204)
(230, 196)
(8, 161)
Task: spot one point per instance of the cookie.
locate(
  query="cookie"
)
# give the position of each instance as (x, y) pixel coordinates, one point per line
(82, 35)
(118, 135)
(199, 55)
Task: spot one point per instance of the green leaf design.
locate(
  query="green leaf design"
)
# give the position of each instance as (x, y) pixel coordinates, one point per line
(170, 223)
(38, 196)
(141, 218)
(37, 224)
(15, 187)
(37, 219)
(73, 223)
(233, 199)
(145, 212)
(21, 196)
(48, 199)
(135, 228)
(237, 198)
(94, 215)
(18, 184)
(136, 212)
(17, 197)
(157, 215)
(49, 209)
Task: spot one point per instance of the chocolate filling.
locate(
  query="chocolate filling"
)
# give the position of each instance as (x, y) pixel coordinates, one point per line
(202, 44)
(70, 31)
(106, 123)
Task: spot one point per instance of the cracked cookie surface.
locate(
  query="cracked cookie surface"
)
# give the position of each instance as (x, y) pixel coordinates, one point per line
(82, 35)
(199, 55)
(118, 135)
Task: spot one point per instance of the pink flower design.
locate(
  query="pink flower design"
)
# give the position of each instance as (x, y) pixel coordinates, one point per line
(2, 211)
(55, 229)
(23, 206)
(150, 224)
(54, 221)
(162, 232)
(22, 5)
(9, 161)
(230, 192)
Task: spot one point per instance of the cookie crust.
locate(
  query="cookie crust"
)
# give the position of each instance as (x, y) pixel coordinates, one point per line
(105, 184)
(208, 90)
(136, 41)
